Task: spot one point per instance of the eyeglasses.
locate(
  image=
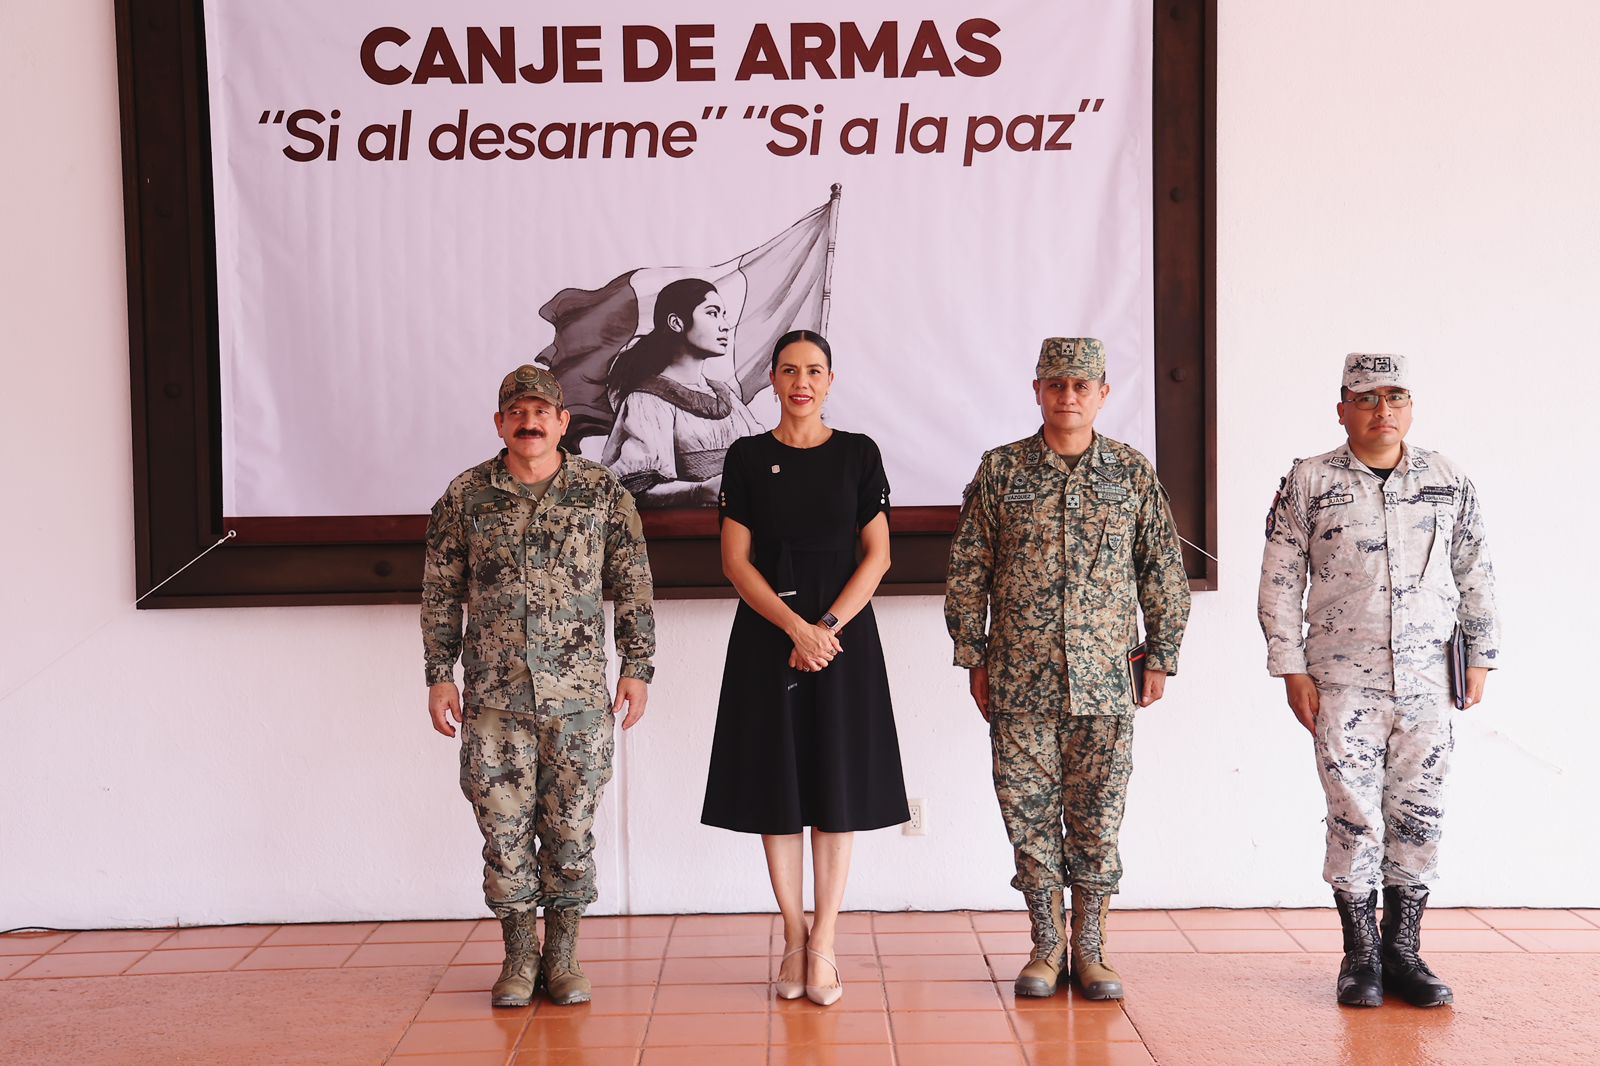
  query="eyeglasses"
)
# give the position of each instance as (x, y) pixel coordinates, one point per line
(1368, 401)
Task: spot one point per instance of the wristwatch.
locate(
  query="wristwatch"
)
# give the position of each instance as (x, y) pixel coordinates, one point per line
(829, 621)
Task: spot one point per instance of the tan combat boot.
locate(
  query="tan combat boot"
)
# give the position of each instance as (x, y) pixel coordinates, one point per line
(521, 969)
(1040, 976)
(1089, 968)
(563, 980)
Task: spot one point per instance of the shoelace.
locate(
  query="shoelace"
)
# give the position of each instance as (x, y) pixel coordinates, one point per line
(1046, 937)
(1091, 940)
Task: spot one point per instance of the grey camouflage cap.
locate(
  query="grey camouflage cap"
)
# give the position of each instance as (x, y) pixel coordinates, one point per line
(530, 380)
(1365, 371)
(1070, 357)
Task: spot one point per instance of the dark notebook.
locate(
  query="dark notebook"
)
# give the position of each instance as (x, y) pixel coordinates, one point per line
(1136, 656)
(1455, 654)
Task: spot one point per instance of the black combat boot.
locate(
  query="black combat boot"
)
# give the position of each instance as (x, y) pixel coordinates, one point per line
(1403, 969)
(1361, 972)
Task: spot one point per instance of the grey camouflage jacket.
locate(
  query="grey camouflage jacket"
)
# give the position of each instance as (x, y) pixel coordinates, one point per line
(1393, 566)
(1048, 569)
(531, 576)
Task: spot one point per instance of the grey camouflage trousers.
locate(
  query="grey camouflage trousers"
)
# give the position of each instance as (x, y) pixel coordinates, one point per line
(534, 784)
(1062, 783)
(1383, 760)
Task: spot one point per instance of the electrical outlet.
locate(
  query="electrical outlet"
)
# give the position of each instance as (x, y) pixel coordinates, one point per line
(917, 825)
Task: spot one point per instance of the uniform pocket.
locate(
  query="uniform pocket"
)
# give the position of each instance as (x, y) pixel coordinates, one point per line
(1438, 576)
(1437, 573)
(494, 541)
(1020, 520)
(1116, 546)
(577, 536)
(1348, 555)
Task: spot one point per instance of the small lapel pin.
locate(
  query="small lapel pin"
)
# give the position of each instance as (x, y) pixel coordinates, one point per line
(774, 468)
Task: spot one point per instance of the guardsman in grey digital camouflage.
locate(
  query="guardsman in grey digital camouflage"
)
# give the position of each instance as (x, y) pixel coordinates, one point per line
(527, 541)
(1392, 541)
(1063, 537)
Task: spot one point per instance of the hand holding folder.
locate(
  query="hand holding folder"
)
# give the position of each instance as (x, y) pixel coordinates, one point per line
(1455, 654)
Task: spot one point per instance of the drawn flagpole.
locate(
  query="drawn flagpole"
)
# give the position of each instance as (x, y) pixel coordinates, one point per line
(827, 268)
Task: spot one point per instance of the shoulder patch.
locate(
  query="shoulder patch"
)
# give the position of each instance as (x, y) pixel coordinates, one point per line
(1272, 511)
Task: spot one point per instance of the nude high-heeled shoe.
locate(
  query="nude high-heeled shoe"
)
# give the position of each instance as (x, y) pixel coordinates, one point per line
(789, 989)
(824, 997)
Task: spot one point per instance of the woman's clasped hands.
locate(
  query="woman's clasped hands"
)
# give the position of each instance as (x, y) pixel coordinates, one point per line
(815, 645)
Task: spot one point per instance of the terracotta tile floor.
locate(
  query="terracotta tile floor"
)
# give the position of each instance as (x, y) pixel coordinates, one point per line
(1205, 986)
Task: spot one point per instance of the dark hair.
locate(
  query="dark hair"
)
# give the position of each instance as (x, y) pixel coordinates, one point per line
(658, 348)
(795, 336)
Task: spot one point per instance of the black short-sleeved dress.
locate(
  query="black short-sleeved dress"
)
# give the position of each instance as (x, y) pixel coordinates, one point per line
(795, 748)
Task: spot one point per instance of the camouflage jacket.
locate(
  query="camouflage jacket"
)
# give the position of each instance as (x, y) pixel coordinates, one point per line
(1048, 568)
(531, 576)
(1394, 565)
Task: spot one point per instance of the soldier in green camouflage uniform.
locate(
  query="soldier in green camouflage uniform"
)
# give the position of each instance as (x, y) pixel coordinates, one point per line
(526, 541)
(1064, 536)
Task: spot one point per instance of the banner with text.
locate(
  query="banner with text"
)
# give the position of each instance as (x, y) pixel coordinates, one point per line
(413, 198)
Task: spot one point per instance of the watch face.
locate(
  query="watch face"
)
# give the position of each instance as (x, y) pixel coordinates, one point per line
(830, 620)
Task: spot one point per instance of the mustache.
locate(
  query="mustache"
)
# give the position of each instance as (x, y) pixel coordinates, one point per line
(525, 433)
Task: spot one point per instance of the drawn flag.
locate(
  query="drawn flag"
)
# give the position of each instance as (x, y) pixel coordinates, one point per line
(781, 285)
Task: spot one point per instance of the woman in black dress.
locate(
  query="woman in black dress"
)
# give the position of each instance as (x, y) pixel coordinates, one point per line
(805, 732)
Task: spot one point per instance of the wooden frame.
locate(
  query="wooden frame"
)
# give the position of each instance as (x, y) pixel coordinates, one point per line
(173, 354)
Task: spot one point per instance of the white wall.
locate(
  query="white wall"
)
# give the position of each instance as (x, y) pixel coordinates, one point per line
(1411, 177)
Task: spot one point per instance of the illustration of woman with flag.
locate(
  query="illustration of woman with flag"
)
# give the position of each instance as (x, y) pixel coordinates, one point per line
(673, 423)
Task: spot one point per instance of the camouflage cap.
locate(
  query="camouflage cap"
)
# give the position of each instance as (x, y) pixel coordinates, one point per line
(530, 380)
(1365, 371)
(1071, 357)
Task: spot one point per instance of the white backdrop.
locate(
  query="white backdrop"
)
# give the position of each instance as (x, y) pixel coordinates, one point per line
(368, 309)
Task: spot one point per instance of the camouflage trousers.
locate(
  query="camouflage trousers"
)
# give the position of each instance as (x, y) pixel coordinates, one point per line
(1062, 782)
(1383, 760)
(534, 784)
